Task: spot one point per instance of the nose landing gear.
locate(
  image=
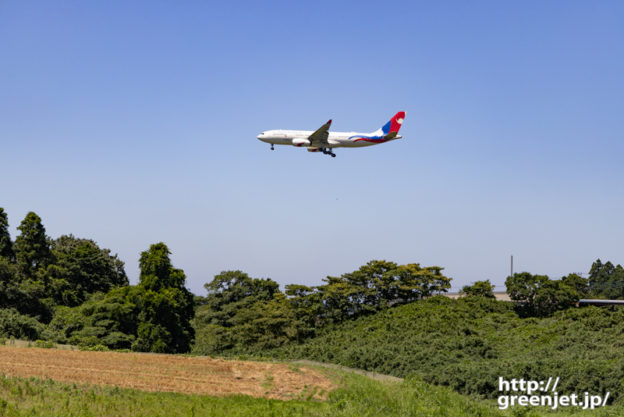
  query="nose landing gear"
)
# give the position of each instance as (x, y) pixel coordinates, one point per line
(272, 148)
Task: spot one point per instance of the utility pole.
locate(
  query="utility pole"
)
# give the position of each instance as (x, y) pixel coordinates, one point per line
(511, 266)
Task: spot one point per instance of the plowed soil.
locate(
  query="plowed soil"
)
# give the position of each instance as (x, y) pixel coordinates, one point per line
(153, 372)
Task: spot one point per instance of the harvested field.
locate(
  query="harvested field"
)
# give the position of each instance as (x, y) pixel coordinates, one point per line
(153, 372)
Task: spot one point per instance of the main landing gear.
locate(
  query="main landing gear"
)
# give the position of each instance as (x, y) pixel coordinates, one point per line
(328, 152)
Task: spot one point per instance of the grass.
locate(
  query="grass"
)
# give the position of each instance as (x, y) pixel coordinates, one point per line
(360, 396)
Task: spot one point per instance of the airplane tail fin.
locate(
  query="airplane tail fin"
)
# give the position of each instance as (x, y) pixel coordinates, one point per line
(391, 129)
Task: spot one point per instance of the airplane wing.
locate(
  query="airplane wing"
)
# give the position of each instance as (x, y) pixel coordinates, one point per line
(321, 134)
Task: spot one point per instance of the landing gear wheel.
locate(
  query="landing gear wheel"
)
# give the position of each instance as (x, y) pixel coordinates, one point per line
(333, 155)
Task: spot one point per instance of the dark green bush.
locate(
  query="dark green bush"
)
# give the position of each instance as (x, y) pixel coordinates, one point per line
(468, 343)
(19, 326)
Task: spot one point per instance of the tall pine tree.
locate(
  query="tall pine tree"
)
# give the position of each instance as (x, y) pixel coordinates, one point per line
(32, 249)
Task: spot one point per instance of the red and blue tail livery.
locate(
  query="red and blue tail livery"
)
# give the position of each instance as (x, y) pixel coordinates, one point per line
(322, 140)
(388, 132)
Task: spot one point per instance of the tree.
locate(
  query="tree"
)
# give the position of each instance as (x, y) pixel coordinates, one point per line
(81, 268)
(377, 285)
(242, 311)
(523, 286)
(479, 289)
(415, 282)
(307, 306)
(32, 248)
(232, 291)
(105, 319)
(606, 280)
(538, 295)
(165, 305)
(578, 283)
(24, 296)
(266, 325)
(6, 245)
(153, 316)
(156, 270)
(342, 299)
(371, 286)
(553, 296)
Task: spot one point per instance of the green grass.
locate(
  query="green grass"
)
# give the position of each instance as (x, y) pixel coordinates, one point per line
(360, 396)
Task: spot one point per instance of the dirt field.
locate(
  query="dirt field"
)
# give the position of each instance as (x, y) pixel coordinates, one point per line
(152, 372)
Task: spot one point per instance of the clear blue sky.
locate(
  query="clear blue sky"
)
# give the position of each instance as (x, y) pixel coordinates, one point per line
(135, 122)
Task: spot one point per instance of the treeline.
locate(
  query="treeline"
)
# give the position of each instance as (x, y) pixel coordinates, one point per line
(540, 296)
(69, 290)
(241, 313)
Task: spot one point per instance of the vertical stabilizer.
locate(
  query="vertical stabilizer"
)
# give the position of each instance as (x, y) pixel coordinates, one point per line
(392, 127)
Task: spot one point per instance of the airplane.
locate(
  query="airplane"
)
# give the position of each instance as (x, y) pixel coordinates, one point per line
(322, 140)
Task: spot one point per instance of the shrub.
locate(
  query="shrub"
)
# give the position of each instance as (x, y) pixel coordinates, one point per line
(14, 324)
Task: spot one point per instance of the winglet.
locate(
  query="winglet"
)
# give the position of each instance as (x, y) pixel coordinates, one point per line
(329, 122)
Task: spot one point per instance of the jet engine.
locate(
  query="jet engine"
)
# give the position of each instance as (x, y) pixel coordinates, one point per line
(300, 142)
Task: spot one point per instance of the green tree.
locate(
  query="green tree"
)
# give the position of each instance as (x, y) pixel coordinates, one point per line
(104, 319)
(377, 285)
(307, 306)
(523, 286)
(24, 296)
(606, 280)
(232, 291)
(345, 298)
(538, 295)
(266, 325)
(32, 248)
(6, 245)
(553, 296)
(81, 268)
(415, 282)
(165, 305)
(371, 286)
(153, 316)
(578, 283)
(240, 310)
(479, 289)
